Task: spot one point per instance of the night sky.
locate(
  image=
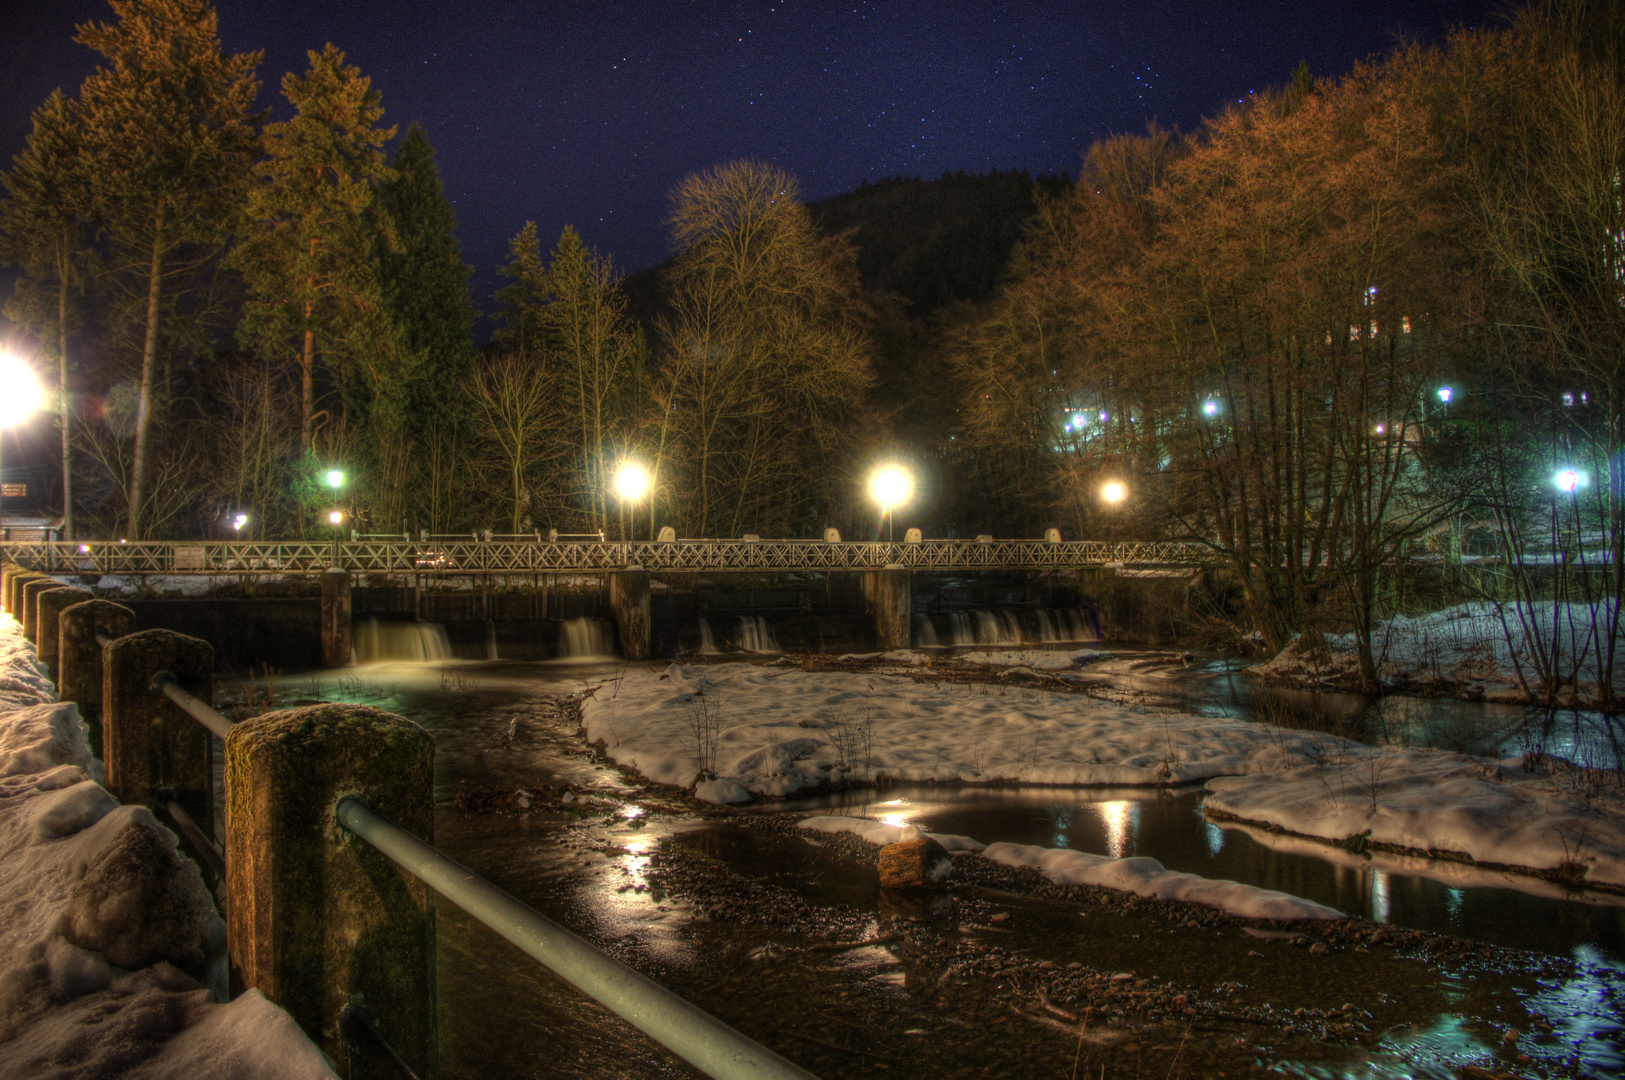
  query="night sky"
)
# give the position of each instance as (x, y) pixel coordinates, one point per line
(588, 112)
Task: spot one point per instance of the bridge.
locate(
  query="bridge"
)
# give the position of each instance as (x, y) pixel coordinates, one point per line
(467, 555)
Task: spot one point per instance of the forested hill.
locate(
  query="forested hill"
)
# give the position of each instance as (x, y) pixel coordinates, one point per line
(930, 242)
(933, 242)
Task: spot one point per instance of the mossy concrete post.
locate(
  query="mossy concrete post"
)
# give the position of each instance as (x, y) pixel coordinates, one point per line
(30, 610)
(319, 919)
(890, 596)
(48, 624)
(79, 654)
(629, 607)
(149, 742)
(14, 592)
(7, 572)
(337, 647)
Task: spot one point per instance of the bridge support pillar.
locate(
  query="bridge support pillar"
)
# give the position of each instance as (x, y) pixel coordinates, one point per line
(629, 608)
(318, 920)
(890, 597)
(336, 644)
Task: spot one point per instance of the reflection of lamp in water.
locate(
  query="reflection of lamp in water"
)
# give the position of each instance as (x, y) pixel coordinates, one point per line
(1380, 904)
(1116, 817)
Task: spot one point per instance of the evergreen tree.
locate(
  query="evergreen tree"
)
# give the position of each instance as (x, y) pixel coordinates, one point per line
(44, 223)
(524, 301)
(309, 255)
(168, 140)
(425, 281)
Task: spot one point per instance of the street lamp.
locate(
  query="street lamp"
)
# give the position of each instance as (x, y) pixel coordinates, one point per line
(1567, 480)
(1114, 491)
(631, 484)
(20, 398)
(890, 485)
(335, 478)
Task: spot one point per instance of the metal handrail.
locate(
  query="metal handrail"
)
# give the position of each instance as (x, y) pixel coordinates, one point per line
(194, 707)
(205, 846)
(677, 1024)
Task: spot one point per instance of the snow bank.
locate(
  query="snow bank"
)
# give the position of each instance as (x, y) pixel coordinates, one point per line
(1481, 646)
(108, 936)
(1442, 802)
(780, 731)
(1147, 877)
(1142, 876)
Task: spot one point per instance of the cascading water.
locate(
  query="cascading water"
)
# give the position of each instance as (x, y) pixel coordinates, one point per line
(409, 642)
(1042, 626)
(580, 638)
(755, 635)
(708, 644)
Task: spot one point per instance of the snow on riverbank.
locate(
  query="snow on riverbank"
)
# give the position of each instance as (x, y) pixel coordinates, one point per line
(774, 732)
(1139, 875)
(779, 731)
(109, 935)
(1440, 802)
(1478, 649)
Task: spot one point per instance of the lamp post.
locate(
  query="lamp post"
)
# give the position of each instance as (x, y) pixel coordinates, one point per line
(1114, 491)
(20, 398)
(631, 484)
(890, 486)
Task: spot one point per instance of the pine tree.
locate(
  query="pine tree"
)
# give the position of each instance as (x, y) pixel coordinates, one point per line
(524, 301)
(425, 281)
(44, 223)
(309, 256)
(169, 138)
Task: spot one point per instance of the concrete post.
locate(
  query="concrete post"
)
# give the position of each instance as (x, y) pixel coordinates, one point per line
(79, 655)
(30, 595)
(629, 607)
(890, 597)
(14, 592)
(317, 918)
(8, 571)
(148, 743)
(48, 620)
(337, 648)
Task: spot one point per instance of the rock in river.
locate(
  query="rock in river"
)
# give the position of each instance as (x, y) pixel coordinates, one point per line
(914, 864)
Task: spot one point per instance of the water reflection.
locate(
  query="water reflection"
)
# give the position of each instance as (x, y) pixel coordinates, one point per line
(1119, 819)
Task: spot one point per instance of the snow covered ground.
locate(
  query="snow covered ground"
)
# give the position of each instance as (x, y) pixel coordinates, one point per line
(771, 732)
(1139, 875)
(108, 938)
(775, 731)
(1479, 647)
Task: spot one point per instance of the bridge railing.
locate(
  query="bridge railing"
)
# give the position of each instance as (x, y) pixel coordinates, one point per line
(466, 555)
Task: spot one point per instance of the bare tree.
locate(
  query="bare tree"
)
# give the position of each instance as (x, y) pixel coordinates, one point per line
(514, 412)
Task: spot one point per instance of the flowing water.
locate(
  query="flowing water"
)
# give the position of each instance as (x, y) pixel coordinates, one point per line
(412, 642)
(583, 639)
(493, 726)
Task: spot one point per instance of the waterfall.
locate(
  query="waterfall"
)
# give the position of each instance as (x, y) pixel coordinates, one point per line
(708, 644)
(581, 638)
(987, 628)
(1046, 626)
(1009, 628)
(412, 642)
(755, 635)
(925, 635)
(959, 629)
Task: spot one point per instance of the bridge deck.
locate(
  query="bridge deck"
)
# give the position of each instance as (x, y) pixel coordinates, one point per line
(463, 557)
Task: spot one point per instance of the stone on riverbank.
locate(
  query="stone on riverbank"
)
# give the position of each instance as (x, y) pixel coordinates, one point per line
(914, 864)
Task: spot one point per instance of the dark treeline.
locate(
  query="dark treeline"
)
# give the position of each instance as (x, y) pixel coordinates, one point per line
(1344, 316)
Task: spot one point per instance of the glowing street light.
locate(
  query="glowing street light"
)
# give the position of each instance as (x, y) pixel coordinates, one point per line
(890, 486)
(1445, 394)
(21, 394)
(238, 521)
(336, 517)
(1114, 491)
(631, 481)
(1567, 480)
(335, 478)
(1210, 408)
